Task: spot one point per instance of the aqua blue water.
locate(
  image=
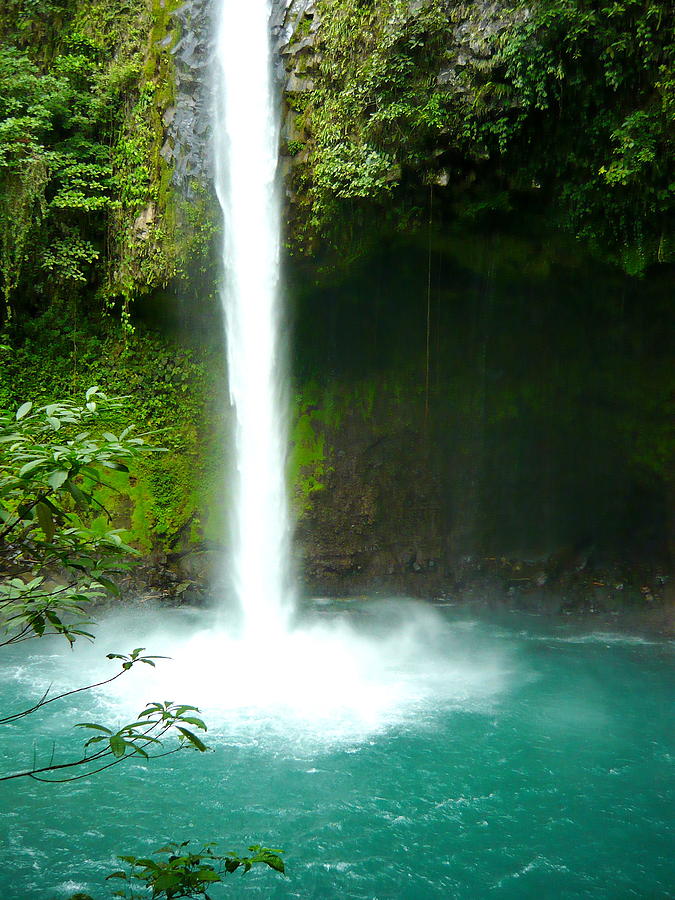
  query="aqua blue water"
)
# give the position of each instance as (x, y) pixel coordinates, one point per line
(508, 758)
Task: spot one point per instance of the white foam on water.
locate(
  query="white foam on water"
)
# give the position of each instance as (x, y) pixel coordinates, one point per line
(597, 637)
(323, 684)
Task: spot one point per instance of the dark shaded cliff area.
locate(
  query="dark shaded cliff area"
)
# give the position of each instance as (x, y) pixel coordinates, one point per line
(527, 447)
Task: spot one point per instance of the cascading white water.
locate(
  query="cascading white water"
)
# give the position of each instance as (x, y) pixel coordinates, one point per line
(325, 677)
(246, 150)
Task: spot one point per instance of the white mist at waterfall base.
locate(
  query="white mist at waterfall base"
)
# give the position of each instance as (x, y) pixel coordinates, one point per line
(322, 685)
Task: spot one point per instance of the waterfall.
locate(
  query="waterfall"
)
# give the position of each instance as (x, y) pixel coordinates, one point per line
(246, 136)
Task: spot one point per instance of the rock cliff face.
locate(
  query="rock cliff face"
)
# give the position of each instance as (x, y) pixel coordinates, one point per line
(394, 493)
(546, 388)
(466, 47)
(187, 145)
(471, 28)
(298, 42)
(187, 121)
(521, 447)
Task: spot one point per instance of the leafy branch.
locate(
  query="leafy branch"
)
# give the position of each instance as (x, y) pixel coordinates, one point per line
(56, 564)
(53, 560)
(181, 873)
(110, 747)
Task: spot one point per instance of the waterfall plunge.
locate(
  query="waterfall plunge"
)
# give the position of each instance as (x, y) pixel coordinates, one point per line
(344, 672)
(246, 149)
(327, 679)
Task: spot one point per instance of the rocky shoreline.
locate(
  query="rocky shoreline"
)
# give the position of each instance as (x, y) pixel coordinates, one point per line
(639, 597)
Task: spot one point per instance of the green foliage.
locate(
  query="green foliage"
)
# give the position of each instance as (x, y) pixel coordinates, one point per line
(374, 110)
(580, 101)
(54, 563)
(33, 22)
(167, 387)
(55, 175)
(572, 104)
(51, 458)
(180, 872)
(293, 148)
(144, 738)
(86, 199)
(153, 723)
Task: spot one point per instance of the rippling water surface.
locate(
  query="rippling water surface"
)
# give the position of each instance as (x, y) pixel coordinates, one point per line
(393, 750)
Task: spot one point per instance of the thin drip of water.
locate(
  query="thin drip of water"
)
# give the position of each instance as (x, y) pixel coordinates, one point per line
(245, 146)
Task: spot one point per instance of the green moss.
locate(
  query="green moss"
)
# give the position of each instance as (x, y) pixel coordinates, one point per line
(167, 387)
(318, 414)
(307, 459)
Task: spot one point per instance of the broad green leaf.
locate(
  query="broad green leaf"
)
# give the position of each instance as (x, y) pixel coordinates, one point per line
(165, 882)
(30, 467)
(81, 633)
(208, 875)
(275, 863)
(109, 585)
(191, 720)
(117, 466)
(193, 739)
(139, 751)
(78, 496)
(23, 410)
(184, 708)
(57, 478)
(118, 745)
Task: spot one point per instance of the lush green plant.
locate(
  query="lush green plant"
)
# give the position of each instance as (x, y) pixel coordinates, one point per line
(50, 464)
(180, 872)
(55, 172)
(86, 198)
(373, 112)
(165, 383)
(580, 101)
(57, 559)
(135, 739)
(566, 104)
